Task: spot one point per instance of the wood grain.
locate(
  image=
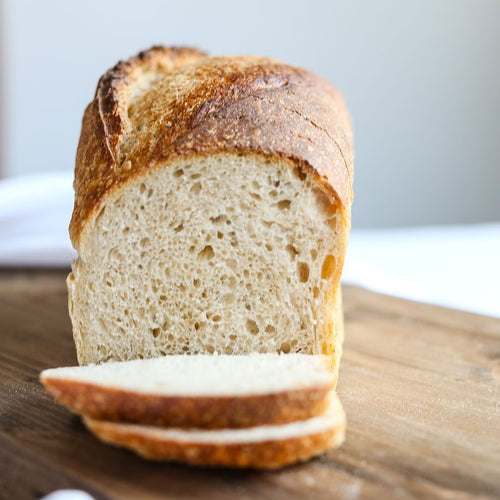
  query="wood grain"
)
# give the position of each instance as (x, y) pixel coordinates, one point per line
(420, 384)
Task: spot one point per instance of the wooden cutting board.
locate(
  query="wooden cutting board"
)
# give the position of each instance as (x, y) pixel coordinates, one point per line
(420, 385)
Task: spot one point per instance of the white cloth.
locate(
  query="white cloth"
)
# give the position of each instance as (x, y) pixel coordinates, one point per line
(68, 495)
(455, 266)
(34, 216)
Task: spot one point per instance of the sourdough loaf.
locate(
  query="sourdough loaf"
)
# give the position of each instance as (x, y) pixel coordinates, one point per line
(203, 391)
(212, 210)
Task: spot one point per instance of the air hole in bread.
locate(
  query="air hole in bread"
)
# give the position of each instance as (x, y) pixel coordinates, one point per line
(328, 267)
(207, 253)
(303, 270)
(301, 174)
(283, 204)
(145, 242)
(219, 219)
(285, 347)
(179, 172)
(179, 227)
(315, 292)
(196, 188)
(270, 329)
(252, 327)
(325, 205)
(142, 188)
(292, 251)
(196, 283)
(155, 332)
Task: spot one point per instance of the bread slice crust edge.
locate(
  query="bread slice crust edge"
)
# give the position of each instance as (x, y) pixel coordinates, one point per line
(207, 412)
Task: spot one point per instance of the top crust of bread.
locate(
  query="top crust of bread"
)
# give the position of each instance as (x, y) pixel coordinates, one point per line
(170, 102)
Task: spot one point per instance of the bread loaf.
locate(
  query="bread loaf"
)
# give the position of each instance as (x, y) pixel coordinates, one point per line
(203, 391)
(258, 447)
(212, 210)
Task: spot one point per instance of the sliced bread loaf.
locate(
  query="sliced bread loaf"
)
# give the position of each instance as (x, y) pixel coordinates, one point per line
(257, 447)
(212, 210)
(204, 391)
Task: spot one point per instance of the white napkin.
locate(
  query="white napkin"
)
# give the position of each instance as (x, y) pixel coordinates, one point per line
(455, 266)
(34, 216)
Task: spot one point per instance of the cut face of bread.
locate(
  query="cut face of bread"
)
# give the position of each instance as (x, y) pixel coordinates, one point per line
(204, 391)
(225, 253)
(258, 447)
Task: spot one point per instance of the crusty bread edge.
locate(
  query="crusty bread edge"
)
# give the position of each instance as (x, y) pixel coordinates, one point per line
(237, 126)
(206, 412)
(266, 454)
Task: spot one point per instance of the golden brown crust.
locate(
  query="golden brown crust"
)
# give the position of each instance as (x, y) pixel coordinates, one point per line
(269, 454)
(166, 103)
(216, 412)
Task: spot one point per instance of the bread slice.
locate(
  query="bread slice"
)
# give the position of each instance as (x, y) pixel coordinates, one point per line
(204, 391)
(212, 210)
(258, 447)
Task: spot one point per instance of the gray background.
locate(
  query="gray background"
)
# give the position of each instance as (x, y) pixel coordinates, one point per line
(421, 79)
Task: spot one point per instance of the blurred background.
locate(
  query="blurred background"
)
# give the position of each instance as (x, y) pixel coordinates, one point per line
(421, 79)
